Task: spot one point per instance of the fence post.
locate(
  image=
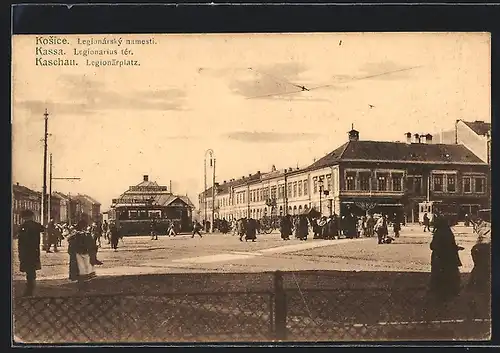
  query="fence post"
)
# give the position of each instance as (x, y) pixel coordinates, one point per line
(279, 307)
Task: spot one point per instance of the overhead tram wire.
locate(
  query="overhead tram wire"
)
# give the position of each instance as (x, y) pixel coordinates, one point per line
(303, 88)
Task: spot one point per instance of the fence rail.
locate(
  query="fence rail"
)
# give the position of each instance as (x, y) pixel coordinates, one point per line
(283, 313)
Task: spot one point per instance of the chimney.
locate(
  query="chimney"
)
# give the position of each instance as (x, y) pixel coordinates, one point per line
(258, 172)
(417, 138)
(17, 184)
(408, 137)
(428, 138)
(224, 181)
(250, 174)
(146, 178)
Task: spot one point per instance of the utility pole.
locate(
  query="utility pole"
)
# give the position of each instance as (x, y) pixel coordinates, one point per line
(49, 208)
(44, 188)
(213, 200)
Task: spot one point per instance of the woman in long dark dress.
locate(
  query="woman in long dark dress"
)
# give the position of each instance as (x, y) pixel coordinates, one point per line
(445, 261)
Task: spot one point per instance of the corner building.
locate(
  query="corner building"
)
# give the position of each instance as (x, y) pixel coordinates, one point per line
(375, 176)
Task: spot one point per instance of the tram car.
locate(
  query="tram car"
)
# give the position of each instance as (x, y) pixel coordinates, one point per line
(448, 210)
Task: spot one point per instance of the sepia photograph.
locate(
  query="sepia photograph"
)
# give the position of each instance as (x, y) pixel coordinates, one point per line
(266, 187)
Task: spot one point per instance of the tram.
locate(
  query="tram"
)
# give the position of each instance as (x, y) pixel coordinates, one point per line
(448, 210)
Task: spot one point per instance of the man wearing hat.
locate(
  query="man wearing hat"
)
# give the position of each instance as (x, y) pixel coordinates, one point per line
(29, 249)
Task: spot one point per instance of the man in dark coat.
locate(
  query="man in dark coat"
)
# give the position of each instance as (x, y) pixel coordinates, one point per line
(286, 227)
(29, 249)
(51, 236)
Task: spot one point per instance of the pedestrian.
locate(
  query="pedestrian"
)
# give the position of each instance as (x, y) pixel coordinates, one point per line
(96, 234)
(480, 276)
(114, 236)
(286, 227)
(396, 225)
(381, 229)
(426, 222)
(80, 246)
(52, 236)
(197, 229)
(104, 230)
(303, 227)
(171, 229)
(29, 249)
(251, 230)
(242, 224)
(445, 261)
(153, 230)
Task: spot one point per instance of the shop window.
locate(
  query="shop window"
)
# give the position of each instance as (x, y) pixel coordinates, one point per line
(417, 185)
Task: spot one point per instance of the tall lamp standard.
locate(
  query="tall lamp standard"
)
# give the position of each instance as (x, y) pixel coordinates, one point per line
(211, 153)
(321, 191)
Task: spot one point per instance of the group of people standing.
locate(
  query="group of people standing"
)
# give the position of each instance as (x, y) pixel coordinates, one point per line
(83, 244)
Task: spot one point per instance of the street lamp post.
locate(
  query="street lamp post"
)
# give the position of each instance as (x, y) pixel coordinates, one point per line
(212, 164)
(286, 194)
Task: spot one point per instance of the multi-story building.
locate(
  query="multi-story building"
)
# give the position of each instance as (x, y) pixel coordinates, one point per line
(84, 207)
(475, 135)
(376, 176)
(59, 206)
(24, 198)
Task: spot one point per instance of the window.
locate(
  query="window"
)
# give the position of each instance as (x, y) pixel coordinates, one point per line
(479, 185)
(417, 185)
(329, 182)
(466, 184)
(351, 181)
(273, 192)
(364, 181)
(451, 187)
(397, 178)
(315, 185)
(295, 189)
(299, 190)
(381, 182)
(305, 187)
(438, 183)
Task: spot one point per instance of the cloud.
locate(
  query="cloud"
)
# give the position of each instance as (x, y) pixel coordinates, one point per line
(90, 96)
(270, 137)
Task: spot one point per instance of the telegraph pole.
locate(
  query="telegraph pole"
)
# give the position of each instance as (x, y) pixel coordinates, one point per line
(213, 199)
(49, 200)
(44, 188)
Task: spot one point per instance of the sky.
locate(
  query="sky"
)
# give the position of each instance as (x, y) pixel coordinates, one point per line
(239, 95)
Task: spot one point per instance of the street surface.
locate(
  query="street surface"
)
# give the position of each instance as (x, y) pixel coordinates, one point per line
(225, 253)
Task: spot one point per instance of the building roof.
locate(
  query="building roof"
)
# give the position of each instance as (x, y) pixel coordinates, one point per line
(223, 188)
(87, 198)
(479, 127)
(398, 152)
(23, 189)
